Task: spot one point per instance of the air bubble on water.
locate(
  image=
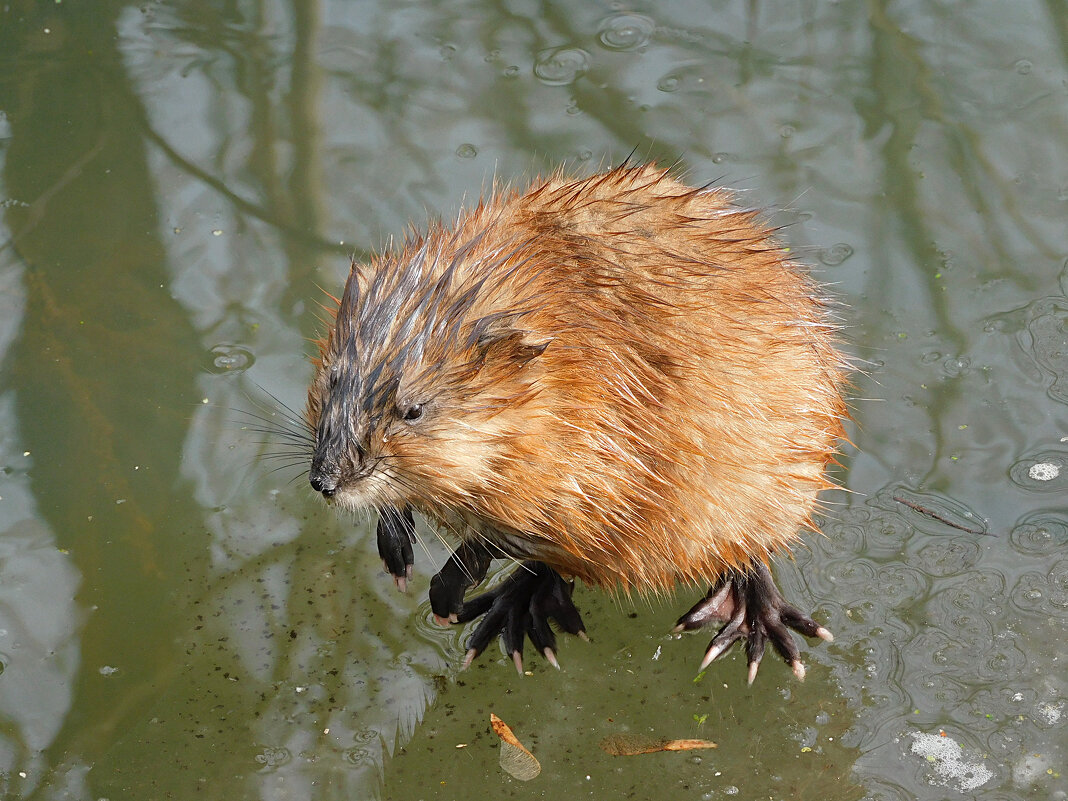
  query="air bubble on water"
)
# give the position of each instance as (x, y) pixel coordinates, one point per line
(835, 254)
(365, 736)
(1023, 66)
(669, 83)
(560, 66)
(467, 151)
(227, 358)
(625, 31)
(273, 757)
(954, 367)
(358, 756)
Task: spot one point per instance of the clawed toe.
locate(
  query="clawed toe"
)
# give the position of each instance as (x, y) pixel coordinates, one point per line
(755, 611)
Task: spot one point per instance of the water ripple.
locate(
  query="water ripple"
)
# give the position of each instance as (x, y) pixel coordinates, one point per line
(625, 31)
(560, 66)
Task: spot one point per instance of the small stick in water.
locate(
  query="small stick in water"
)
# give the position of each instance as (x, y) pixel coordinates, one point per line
(927, 512)
(631, 744)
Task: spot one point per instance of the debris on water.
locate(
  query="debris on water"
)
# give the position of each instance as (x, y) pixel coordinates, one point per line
(951, 513)
(516, 760)
(951, 766)
(632, 744)
(1043, 471)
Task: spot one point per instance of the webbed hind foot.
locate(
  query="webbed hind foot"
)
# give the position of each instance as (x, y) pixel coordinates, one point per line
(754, 610)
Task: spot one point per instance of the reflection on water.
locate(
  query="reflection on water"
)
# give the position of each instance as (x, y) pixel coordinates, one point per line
(178, 185)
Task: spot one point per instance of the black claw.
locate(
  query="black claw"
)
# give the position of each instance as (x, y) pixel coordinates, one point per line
(541, 633)
(724, 640)
(555, 602)
(782, 641)
(396, 533)
(755, 644)
(484, 633)
(754, 610)
(516, 618)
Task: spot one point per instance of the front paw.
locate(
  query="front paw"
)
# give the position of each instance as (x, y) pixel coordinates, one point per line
(396, 533)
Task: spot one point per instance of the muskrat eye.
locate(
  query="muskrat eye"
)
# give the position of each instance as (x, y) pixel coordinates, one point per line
(413, 412)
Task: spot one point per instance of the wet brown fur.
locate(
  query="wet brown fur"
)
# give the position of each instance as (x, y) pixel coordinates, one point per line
(624, 377)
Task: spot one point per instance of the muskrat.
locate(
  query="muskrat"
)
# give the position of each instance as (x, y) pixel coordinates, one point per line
(620, 379)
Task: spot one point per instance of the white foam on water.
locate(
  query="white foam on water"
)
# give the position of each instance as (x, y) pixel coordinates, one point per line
(949, 762)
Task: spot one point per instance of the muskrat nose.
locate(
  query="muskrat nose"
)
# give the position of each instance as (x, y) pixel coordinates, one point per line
(323, 485)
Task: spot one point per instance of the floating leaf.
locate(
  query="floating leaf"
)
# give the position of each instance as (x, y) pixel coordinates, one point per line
(515, 759)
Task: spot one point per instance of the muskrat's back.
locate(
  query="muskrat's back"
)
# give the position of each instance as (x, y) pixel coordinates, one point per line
(621, 376)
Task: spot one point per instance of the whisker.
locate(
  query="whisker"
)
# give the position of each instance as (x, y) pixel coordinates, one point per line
(270, 426)
(286, 462)
(296, 458)
(274, 438)
(295, 478)
(295, 415)
(297, 422)
(281, 467)
(290, 436)
(278, 449)
(501, 553)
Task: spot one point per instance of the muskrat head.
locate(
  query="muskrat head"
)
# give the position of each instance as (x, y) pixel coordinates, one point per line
(415, 382)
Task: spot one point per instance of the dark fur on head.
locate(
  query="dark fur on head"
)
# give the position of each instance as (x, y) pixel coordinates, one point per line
(411, 337)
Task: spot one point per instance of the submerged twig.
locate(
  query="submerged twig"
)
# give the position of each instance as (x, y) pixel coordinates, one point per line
(928, 512)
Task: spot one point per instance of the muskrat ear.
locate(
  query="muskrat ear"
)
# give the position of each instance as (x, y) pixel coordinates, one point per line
(514, 346)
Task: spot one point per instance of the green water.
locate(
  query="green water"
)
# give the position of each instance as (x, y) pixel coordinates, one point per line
(180, 181)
